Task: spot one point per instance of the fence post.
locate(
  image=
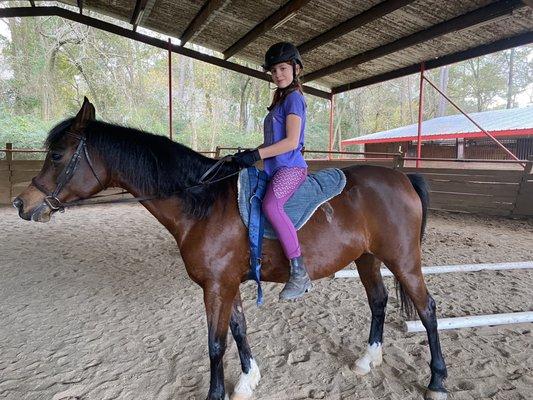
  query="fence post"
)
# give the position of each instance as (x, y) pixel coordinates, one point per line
(9, 159)
(217, 152)
(523, 182)
(9, 155)
(398, 161)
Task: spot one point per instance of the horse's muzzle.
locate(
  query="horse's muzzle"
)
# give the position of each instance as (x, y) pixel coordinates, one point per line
(41, 213)
(19, 205)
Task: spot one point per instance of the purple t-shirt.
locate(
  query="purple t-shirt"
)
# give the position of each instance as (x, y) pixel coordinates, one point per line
(275, 130)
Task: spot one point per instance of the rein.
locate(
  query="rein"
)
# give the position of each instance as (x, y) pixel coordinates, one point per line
(52, 201)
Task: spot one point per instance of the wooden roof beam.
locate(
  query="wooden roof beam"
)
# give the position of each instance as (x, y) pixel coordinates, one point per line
(152, 41)
(499, 45)
(353, 23)
(281, 16)
(201, 19)
(476, 17)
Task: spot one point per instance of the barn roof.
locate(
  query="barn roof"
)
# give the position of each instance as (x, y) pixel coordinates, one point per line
(345, 44)
(509, 122)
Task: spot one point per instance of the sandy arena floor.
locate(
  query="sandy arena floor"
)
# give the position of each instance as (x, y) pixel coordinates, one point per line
(96, 305)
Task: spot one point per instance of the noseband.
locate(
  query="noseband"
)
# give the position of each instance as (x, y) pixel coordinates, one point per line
(51, 199)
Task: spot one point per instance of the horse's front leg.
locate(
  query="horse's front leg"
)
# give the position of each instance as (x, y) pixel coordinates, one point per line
(218, 299)
(250, 371)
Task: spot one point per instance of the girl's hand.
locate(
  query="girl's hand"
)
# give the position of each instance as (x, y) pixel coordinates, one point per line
(247, 158)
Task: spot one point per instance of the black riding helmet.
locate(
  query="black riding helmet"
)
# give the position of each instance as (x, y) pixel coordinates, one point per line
(281, 52)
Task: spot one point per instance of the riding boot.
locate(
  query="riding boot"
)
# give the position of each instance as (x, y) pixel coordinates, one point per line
(299, 281)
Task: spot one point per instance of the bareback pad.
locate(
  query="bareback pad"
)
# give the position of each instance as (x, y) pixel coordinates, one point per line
(318, 188)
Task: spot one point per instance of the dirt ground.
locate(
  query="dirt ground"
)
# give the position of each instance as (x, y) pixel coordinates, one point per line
(96, 305)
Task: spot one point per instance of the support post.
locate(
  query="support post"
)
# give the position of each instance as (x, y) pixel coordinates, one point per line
(9, 159)
(521, 196)
(169, 88)
(420, 116)
(331, 127)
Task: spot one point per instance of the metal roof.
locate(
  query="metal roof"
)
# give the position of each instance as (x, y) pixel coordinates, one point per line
(508, 122)
(345, 44)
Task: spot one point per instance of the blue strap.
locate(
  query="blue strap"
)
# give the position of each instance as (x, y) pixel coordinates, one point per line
(256, 228)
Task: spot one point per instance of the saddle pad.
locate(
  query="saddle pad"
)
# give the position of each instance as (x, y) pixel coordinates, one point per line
(318, 188)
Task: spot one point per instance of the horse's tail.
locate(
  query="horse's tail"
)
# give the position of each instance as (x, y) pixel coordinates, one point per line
(422, 189)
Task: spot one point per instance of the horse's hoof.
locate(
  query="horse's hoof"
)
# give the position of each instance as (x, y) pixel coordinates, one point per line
(431, 395)
(372, 358)
(241, 396)
(244, 389)
(361, 371)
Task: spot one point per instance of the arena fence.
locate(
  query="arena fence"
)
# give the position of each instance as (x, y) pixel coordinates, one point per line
(487, 190)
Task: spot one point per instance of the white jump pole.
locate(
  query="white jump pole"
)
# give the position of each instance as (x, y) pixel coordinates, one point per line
(352, 273)
(474, 320)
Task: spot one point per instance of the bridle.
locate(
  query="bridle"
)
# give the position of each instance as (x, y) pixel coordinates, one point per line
(52, 201)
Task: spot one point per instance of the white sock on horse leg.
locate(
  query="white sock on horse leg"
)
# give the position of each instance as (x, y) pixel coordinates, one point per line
(372, 357)
(247, 382)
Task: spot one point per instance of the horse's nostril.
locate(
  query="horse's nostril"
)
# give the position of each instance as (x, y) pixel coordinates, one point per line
(17, 203)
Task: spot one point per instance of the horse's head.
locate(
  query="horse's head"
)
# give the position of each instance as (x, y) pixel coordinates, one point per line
(71, 171)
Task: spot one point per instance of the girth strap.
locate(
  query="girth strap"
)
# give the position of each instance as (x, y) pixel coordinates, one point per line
(256, 230)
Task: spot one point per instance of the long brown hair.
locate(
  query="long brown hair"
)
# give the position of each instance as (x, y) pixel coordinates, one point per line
(280, 94)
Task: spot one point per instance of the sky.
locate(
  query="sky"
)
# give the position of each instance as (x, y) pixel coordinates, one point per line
(4, 31)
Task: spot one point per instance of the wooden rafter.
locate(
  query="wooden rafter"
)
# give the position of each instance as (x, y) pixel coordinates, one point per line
(152, 41)
(481, 15)
(499, 45)
(353, 23)
(282, 14)
(138, 12)
(201, 19)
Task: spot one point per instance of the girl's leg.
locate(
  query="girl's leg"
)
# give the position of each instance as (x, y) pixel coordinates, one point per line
(281, 188)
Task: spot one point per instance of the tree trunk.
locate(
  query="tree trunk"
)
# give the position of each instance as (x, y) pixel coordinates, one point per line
(510, 102)
(243, 109)
(410, 101)
(443, 86)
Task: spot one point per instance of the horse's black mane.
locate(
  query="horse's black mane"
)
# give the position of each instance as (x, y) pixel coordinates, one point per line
(153, 164)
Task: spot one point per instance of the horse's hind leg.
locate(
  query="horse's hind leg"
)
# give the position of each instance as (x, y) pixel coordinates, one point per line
(250, 371)
(408, 272)
(368, 268)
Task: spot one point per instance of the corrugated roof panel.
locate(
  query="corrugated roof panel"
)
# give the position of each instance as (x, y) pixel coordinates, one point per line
(497, 120)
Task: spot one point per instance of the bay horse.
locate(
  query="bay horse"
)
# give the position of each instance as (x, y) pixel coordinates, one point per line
(378, 217)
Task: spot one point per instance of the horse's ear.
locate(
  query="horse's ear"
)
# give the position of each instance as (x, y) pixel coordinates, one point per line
(85, 115)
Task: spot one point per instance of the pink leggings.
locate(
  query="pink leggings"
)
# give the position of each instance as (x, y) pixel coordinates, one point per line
(280, 189)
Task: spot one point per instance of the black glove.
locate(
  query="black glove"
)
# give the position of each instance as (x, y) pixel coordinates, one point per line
(247, 158)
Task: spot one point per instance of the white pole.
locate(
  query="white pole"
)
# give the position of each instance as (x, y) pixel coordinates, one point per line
(474, 320)
(443, 269)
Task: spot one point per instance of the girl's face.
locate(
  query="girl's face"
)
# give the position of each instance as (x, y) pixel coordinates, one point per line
(282, 74)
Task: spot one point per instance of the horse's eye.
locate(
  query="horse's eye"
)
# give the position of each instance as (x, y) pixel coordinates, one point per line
(56, 156)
